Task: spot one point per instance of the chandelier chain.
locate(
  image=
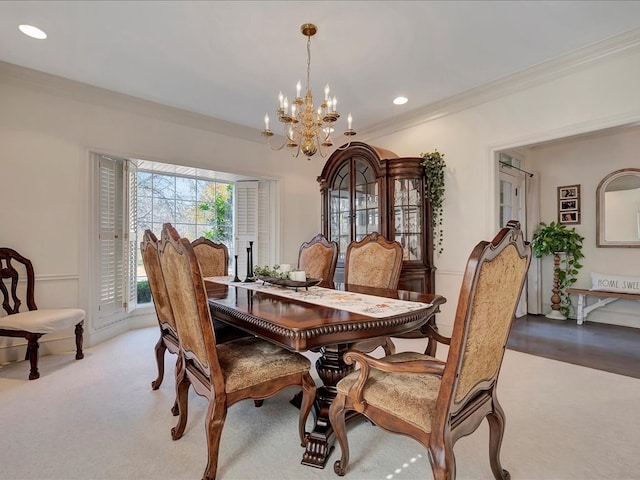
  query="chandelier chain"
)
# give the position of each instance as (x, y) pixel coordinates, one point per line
(309, 63)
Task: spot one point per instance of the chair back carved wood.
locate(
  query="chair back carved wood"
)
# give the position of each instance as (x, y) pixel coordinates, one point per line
(31, 323)
(213, 257)
(374, 261)
(318, 258)
(247, 368)
(436, 402)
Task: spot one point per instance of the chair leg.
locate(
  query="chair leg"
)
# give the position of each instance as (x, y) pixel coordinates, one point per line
(496, 421)
(175, 410)
(308, 397)
(32, 354)
(216, 415)
(336, 418)
(79, 332)
(182, 393)
(442, 459)
(160, 348)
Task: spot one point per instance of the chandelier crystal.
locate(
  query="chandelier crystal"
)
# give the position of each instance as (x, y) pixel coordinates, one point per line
(307, 129)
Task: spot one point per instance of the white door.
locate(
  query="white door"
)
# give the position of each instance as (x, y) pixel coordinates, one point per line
(512, 204)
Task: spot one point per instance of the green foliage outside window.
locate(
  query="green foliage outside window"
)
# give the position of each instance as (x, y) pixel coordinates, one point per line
(144, 292)
(216, 210)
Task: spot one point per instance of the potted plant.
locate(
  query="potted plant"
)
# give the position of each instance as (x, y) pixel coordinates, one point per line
(565, 244)
(434, 167)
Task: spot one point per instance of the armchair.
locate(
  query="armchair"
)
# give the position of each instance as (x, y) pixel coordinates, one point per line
(436, 402)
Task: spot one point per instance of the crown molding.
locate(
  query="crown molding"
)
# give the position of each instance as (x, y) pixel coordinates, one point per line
(78, 91)
(561, 66)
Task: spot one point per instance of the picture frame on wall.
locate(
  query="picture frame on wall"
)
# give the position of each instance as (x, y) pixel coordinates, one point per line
(569, 204)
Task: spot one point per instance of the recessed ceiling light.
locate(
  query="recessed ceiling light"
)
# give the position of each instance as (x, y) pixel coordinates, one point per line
(400, 100)
(33, 32)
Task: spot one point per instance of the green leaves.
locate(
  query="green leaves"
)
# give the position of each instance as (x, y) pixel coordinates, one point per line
(434, 168)
(555, 238)
(273, 272)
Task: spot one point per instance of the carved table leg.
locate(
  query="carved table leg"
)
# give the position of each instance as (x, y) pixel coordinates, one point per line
(331, 368)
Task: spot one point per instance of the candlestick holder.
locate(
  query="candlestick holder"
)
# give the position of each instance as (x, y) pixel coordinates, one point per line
(236, 278)
(251, 259)
(249, 277)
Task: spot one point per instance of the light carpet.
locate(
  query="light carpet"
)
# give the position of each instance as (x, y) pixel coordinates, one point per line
(98, 418)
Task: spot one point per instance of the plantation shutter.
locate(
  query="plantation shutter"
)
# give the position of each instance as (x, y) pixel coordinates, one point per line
(266, 224)
(131, 236)
(246, 224)
(110, 237)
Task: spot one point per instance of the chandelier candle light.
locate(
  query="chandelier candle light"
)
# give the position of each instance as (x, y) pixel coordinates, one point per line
(307, 129)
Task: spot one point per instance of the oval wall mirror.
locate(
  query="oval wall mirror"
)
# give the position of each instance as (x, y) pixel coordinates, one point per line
(618, 209)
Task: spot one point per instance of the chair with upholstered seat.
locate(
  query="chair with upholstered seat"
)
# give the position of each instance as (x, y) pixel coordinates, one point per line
(248, 368)
(376, 262)
(436, 402)
(318, 258)
(215, 258)
(168, 332)
(33, 323)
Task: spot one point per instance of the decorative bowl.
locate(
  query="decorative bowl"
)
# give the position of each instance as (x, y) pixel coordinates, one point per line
(285, 282)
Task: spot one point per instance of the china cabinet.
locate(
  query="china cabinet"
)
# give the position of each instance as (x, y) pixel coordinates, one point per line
(368, 189)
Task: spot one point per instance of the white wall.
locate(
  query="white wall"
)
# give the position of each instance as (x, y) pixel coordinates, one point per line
(587, 98)
(48, 126)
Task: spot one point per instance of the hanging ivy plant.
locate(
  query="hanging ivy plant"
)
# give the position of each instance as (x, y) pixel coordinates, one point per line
(434, 167)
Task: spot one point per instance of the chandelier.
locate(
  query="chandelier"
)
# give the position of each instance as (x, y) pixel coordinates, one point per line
(307, 130)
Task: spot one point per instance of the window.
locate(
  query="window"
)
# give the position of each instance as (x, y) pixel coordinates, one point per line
(134, 195)
(196, 207)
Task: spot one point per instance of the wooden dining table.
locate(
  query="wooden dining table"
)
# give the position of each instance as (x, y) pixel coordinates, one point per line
(299, 325)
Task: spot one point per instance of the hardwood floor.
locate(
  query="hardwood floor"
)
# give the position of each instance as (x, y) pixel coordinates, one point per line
(594, 345)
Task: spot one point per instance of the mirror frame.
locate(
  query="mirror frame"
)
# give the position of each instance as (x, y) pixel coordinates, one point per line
(600, 210)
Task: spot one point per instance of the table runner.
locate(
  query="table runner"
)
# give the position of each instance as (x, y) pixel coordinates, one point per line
(370, 305)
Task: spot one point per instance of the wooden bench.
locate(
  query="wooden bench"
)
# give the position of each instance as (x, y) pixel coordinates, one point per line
(605, 299)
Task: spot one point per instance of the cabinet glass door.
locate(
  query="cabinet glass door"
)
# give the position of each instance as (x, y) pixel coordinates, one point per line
(354, 204)
(366, 200)
(407, 202)
(340, 210)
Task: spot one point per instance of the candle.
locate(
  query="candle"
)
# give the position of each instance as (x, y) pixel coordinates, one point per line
(298, 89)
(281, 99)
(298, 275)
(349, 120)
(266, 121)
(326, 92)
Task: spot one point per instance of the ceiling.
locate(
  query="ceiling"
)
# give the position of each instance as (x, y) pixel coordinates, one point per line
(229, 60)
